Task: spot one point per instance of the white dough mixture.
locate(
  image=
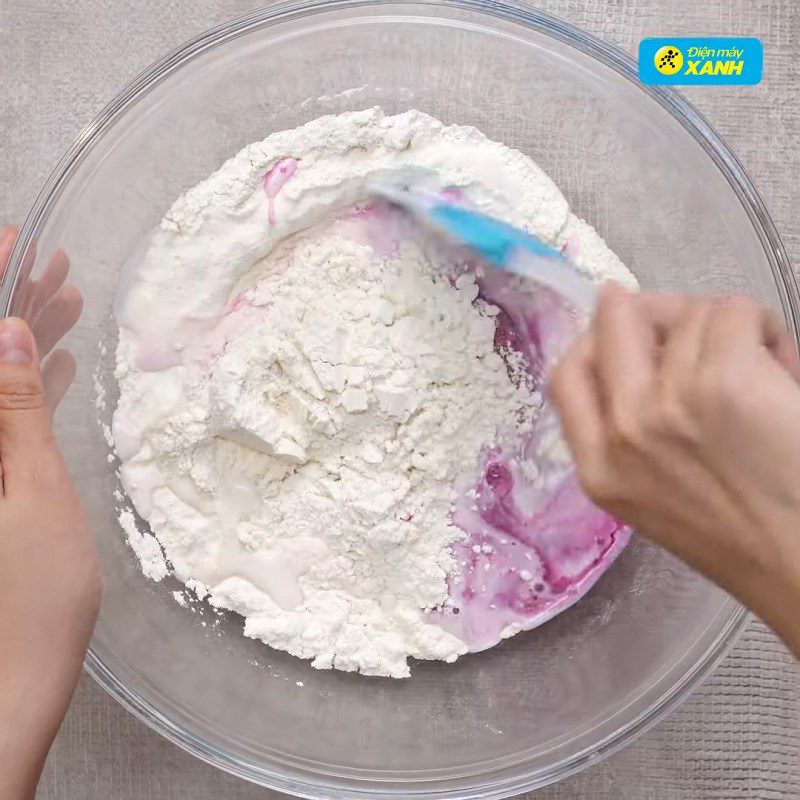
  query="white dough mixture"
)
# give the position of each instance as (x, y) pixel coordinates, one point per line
(299, 400)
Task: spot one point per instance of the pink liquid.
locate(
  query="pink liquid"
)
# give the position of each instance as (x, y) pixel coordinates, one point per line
(572, 247)
(274, 181)
(521, 566)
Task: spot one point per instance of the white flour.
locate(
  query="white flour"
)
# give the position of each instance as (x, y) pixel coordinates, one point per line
(296, 404)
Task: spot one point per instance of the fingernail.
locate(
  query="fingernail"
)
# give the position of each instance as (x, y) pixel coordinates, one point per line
(16, 343)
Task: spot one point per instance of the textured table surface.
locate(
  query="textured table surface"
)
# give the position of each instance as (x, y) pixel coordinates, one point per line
(738, 736)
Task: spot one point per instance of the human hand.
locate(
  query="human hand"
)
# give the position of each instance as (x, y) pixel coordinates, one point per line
(683, 415)
(49, 568)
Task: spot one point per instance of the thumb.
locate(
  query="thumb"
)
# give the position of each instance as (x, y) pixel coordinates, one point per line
(24, 418)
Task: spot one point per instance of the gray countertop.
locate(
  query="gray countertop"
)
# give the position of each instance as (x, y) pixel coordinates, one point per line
(738, 736)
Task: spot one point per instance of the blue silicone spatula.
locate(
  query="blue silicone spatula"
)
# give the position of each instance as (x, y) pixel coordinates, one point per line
(501, 245)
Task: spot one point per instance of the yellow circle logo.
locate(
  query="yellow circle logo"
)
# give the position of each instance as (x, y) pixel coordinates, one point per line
(668, 59)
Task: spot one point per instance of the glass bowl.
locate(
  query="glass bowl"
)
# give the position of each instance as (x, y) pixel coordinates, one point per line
(638, 163)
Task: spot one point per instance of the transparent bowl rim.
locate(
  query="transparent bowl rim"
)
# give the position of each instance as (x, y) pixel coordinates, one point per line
(515, 781)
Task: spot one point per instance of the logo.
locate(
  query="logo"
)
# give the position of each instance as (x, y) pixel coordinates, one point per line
(701, 60)
(668, 59)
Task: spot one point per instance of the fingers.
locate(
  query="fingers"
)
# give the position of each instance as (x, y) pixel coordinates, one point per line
(625, 350)
(50, 307)
(58, 373)
(57, 317)
(629, 328)
(41, 291)
(26, 440)
(612, 366)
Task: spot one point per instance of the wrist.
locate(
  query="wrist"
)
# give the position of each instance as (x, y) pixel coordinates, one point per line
(27, 729)
(34, 697)
(770, 584)
(782, 600)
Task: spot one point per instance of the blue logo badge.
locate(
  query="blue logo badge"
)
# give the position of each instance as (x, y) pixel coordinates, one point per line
(701, 60)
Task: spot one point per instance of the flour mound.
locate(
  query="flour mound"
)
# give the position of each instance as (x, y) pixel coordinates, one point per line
(297, 403)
